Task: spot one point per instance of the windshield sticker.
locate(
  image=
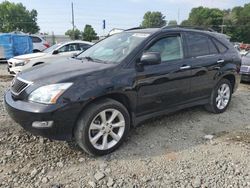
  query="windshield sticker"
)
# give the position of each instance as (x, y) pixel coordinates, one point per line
(142, 35)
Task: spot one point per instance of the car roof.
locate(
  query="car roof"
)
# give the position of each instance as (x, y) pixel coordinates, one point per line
(77, 41)
(179, 29)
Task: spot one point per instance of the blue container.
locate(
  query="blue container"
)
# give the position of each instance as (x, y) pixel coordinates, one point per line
(14, 44)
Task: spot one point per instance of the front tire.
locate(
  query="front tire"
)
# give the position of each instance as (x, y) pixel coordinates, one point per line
(220, 97)
(102, 127)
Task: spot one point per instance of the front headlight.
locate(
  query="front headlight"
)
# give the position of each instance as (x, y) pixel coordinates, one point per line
(20, 64)
(49, 94)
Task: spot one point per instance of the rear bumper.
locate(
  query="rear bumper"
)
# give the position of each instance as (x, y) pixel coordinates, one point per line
(25, 113)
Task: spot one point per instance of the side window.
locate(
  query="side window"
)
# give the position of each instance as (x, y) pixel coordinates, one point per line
(170, 48)
(212, 47)
(68, 48)
(36, 39)
(197, 45)
(84, 47)
(220, 46)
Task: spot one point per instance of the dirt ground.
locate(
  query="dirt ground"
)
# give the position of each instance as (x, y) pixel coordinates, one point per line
(190, 148)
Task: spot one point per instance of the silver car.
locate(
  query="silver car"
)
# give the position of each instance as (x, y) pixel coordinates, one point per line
(245, 68)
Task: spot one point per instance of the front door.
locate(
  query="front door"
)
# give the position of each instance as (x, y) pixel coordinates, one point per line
(164, 85)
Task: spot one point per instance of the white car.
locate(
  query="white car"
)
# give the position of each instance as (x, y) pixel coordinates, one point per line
(39, 43)
(60, 50)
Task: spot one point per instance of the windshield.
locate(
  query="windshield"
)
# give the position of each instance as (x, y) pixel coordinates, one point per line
(248, 54)
(115, 48)
(52, 48)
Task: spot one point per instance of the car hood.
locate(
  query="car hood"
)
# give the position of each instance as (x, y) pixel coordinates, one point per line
(246, 61)
(30, 56)
(61, 70)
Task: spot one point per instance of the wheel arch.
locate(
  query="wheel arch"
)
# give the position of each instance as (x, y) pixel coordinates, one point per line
(231, 78)
(37, 63)
(122, 98)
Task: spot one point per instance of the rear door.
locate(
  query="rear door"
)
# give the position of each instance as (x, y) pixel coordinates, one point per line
(205, 61)
(164, 85)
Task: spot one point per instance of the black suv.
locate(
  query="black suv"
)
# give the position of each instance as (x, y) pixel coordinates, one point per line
(129, 77)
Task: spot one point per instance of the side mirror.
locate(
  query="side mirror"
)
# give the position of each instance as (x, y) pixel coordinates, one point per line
(150, 58)
(55, 52)
(74, 54)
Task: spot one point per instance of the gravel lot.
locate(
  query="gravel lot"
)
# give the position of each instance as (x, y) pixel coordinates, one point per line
(191, 148)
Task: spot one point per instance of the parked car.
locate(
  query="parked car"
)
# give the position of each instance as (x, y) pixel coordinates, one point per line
(12, 44)
(39, 43)
(243, 52)
(123, 80)
(245, 68)
(66, 49)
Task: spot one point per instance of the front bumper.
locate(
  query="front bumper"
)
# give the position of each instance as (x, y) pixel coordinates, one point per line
(14, 70)
(245, 77)
(25, 113)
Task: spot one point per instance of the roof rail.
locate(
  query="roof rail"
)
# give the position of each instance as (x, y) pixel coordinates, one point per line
(133, 28)
(189, 27)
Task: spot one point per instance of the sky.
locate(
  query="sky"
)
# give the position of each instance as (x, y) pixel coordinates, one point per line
(55, 15)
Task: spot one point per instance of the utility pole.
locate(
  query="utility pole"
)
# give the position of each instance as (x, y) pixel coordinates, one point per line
(178, 16)
(223, 24)
(73, 19)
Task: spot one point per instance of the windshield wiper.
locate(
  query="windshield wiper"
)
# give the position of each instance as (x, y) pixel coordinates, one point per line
(89, 58)
(92, 59)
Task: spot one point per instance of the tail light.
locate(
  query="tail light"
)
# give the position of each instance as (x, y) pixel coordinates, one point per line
(46, 45)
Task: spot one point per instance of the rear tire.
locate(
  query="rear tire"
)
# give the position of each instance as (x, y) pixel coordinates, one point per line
(220, 97)
(102, 127)
(36, 51)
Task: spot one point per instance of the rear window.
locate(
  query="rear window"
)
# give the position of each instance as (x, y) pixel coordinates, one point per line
(200, 45)
(36, 39)
(222, 48)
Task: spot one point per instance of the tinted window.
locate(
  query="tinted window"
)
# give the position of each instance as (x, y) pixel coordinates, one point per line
(68, 48)
(170, 48)
(84, 47)
(212, 47)
(36, 40)
(220, 46)
(197, 45)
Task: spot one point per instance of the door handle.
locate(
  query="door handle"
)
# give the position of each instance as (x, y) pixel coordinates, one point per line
(185, 67)
(221, 61)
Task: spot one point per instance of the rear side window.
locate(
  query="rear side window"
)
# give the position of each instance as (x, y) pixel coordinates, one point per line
(220, 46)
(84, 47)
(200, 45)
(36, 40)
(170, 48)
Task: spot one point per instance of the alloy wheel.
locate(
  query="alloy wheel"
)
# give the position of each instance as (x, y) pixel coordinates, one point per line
(223, 96)
(106, 129)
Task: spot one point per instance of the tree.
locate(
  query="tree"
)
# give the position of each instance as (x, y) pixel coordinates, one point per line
(172, 23)
(153, 20)
(74, 35)
(205, 17)
(15, 17)
(235, 22)
(239, 29)
(89, 33)
(185, 23)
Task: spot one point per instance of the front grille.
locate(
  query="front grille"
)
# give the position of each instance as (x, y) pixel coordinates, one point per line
(244, 69)
(19, 85)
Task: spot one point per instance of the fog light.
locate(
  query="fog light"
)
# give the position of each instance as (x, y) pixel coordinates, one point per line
(42, 124)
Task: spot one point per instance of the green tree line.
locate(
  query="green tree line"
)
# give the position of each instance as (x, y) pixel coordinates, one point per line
(88, 34)
(233, 22)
